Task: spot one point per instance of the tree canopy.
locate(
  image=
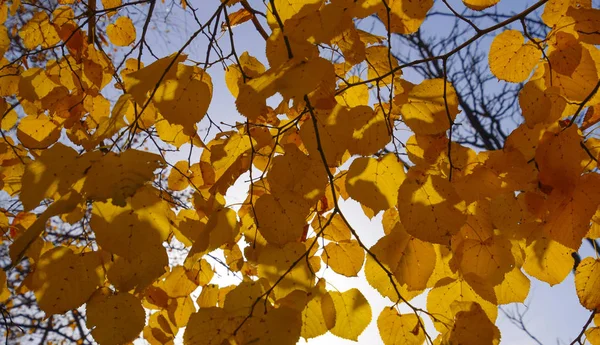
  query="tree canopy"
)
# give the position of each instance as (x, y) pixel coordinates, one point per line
(115, 174)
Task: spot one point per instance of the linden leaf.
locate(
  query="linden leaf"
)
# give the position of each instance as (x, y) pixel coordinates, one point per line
(446, 292)
(425, 110)
(490, 259)
(39, 31)
(317, 75)
(479, 5)
(555, 10)
(64, 205)
(124, 174)
(430, 209)
(355, 95)
(569, 214)
(317, 315)
(587, 283)
(121, 32)
(288, 9)
(38, 131)
(345, 258)
(411, 260)
(547, 260)
(179, 176)
(222, 228)
(510, 59)
(209, 326)
(184, 100)
(140, 82)
(514, 288)
(380, 64)
(471, 326)
(405, 17)
(274, 262)
(539, 105)
(64, 280)
(400, 329)
(41, 177)
(352, 313)
(114, 318)
(558, 158)
(592, 335)
(375, 182)
(5, 292)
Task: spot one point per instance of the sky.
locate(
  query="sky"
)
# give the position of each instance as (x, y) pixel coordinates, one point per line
(554, 314)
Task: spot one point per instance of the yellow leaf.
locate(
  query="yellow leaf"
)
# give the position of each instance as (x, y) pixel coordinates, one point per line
(180, 309)
(479, 5)
(345, 258)
(471, 326)
(4, 291)
(64, 280)
(121, 32)
(355, 95)
(514, 288)
(587, 283)
(288, 9)
(547, 260)
(184, 99)
(555, 10)
(222, 228)
(539, 105)
(336, 231)
(54, 171)
(411, 260)
(593, 335)
(317, 77)
(114, 318)
(425, 108)
(580, 83)
(124, 174)
(351, 45)
(251, 67)
(558, 158)
(179, 282)
(210, 326)
(209, 296)
(586, 21)
(381, 64)
(405, 16)
(569, 214)
(490, 259)
(430, 209)
(274, 262)
(565, 54)
(510, 59)
(317, 316)
(37, 131)
(352, 313)
(375, 182)
(446, 292)
(400, 329)
(140, 82)
(39, 31)
(179, 176)
(106, 4)
(64, 205)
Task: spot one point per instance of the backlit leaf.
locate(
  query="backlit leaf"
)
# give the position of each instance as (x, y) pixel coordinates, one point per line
(587, 283)
(117, 318)
(352, 313)
(121, 32)
(510, 59)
